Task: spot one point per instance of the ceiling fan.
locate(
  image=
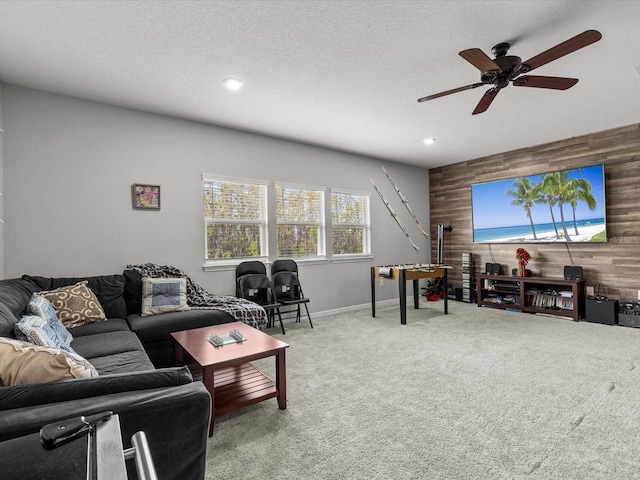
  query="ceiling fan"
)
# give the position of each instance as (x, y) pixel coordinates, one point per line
(508, 68)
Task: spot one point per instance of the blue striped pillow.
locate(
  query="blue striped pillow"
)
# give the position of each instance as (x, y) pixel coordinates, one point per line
(37, 330)
(42, 307)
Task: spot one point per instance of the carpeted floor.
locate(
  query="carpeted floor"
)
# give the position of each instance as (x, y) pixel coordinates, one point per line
(476, 394)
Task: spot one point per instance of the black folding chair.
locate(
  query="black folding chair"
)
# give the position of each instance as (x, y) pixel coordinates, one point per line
(288, 292)
(284, 265)
(247, 268)
(257, 288)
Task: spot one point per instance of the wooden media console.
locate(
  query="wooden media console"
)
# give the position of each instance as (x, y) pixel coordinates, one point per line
(555, 296)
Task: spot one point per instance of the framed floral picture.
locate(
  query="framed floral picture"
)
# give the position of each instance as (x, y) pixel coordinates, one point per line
(145, 196)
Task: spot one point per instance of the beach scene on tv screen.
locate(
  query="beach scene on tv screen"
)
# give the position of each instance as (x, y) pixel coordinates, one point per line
(562, 206)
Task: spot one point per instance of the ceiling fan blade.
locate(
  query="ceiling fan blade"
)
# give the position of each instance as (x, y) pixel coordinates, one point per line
(480, 60)
(562, 49)
(449, 92)
(555, 83)
(485, 101)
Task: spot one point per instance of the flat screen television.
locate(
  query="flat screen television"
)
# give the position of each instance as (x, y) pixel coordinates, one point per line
(561, 206)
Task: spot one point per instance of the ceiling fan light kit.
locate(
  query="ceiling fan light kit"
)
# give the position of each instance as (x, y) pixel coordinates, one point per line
(505, 69)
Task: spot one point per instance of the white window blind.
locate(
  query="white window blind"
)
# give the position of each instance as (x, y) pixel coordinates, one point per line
(350, 223)
(300, 221)
(235, 215)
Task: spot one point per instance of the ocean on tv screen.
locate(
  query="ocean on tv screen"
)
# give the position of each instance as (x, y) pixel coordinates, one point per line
(592, 230)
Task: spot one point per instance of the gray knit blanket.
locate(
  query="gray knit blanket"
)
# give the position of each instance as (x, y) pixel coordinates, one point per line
(198, 298)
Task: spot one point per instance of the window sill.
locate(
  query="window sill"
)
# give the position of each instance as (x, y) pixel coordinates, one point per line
(231, 264)
(351, 258)
(226, 265)
(310, 261)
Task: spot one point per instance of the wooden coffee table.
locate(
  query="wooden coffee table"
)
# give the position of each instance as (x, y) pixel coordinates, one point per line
(226, 372)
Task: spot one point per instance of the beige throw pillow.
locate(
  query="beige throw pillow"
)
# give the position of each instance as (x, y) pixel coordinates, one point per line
(75, 305)
(162, 295)
(23, 363)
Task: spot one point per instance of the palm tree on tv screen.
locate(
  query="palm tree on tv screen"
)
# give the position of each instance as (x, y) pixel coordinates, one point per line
(557, 187)
(580, 190)
(525, 194)
(547, 196)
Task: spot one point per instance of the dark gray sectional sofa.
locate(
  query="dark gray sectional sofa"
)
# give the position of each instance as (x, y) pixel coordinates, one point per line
(133, 356)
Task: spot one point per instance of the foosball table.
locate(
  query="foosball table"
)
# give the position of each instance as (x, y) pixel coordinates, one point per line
(403, 273)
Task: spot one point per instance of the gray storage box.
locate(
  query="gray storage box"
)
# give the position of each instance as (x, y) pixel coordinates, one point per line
(629, 314)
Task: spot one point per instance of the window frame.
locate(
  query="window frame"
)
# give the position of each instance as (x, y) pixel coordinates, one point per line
(321, 224)
(263, 222)
(366, 254)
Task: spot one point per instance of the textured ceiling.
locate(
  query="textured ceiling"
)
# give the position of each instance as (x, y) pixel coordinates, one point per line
(341, 74)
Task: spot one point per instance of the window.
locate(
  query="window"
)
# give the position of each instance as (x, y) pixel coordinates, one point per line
(235, 216)
(350, 223)
(300, 221)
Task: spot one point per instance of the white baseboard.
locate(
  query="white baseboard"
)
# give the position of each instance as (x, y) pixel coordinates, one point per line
(351, 308)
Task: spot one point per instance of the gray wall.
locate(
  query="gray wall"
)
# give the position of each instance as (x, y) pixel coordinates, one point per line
(69, 165)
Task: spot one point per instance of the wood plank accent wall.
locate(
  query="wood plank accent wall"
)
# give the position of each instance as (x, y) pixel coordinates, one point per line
(615, 264)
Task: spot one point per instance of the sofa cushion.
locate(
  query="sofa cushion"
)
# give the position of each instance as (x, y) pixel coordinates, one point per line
(42, 307)
(24, 363)
(108, 288)
(161, 295)
(113, 352)
(7, 321)
(133, 292)
(124, 362)
(109, 325)
(105, 344)
(37, 330)
(15, 293)
(158, 327)
(75, 304)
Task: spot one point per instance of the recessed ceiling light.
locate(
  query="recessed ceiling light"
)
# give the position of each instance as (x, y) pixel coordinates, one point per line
(233, 83)
(429, 141)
